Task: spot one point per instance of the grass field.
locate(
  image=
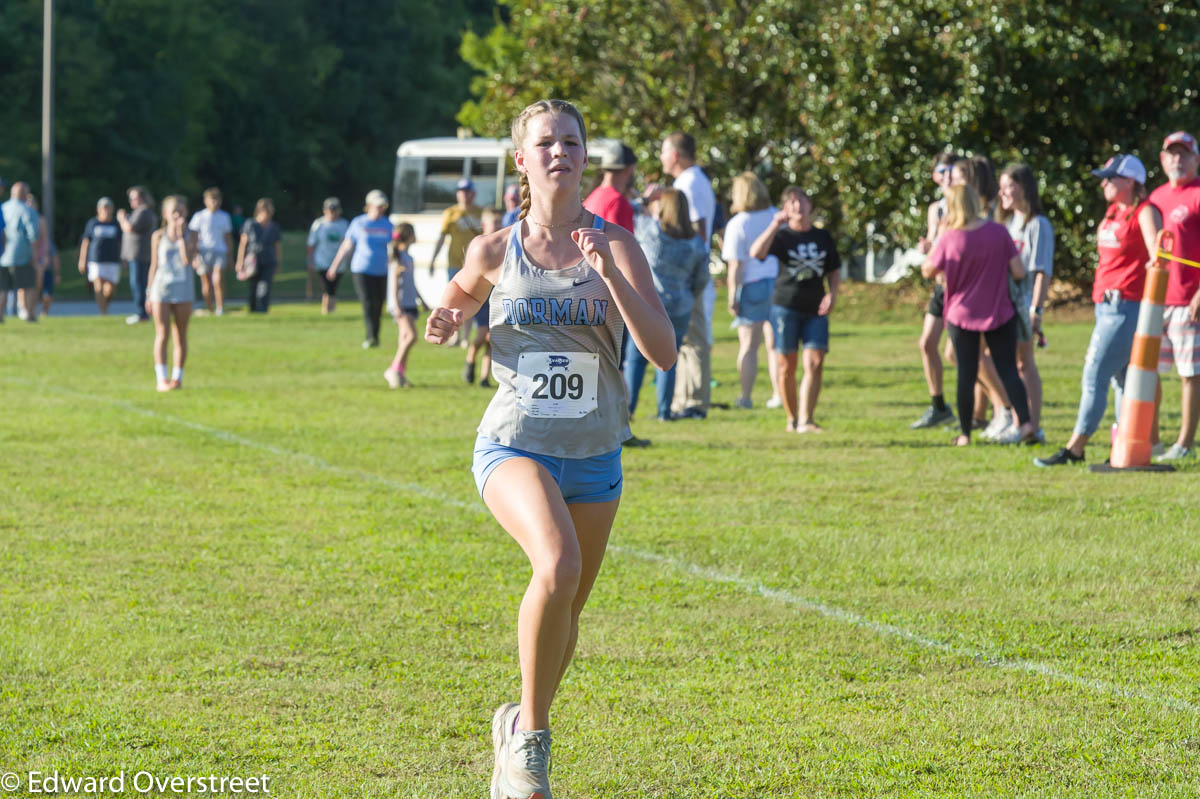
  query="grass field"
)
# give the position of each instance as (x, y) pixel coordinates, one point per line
(284, 569)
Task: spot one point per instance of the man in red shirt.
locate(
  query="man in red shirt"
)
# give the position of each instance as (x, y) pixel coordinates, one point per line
(1179, 202)
(608, 201)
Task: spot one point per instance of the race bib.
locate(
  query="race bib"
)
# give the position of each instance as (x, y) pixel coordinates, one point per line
(559, 385)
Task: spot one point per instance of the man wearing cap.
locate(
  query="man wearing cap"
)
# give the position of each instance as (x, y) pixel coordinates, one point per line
(461, 222)
(1179, 202)
(325, 236)
(1124, 242)
(136, 228)
(608, 200)
(16, 262)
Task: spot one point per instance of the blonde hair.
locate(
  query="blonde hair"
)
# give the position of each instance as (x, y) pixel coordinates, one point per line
(749, 194)
(962, 206)
(521, 123)
(673, 214)
(212, 193)
(168, 205)
(264, 204)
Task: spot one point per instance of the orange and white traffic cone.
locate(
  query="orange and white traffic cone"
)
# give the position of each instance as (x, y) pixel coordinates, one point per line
(1131, 449)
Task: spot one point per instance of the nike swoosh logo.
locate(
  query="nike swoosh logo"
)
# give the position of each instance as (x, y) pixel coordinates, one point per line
(578, 282)
(614, 485)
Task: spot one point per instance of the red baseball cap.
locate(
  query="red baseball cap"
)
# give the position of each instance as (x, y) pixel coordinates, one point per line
(1180, 137)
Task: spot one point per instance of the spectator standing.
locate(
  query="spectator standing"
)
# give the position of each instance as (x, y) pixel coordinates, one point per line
(751, 283)
(171, 289)
(366, 245)
(260, 255)
(214, 227)
(401, 303)
(608, 200)
(938, 411)
(800, 305)
(482, 343)
(1179, 201)
(694, 378)
(1021, 212)
(325, 236)
(136, 228)
(17, 271)
(1125, 241)
(679, 267)
(100, 253)
(977, 256)
(461, 223)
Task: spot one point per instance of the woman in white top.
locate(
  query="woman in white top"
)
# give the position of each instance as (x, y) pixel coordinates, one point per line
(751, 283)
(563, 286)
(171, 290)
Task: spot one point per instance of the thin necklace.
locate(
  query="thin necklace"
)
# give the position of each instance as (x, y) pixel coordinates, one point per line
(564, 224)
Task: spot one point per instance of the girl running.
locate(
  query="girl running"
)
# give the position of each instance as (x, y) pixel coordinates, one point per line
(564, 284)
(171, 291)
(401, 302)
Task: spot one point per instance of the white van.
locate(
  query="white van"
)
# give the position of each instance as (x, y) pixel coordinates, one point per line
(427, 171)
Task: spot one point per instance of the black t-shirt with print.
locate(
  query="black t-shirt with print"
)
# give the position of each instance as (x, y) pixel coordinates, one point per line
(804, 261)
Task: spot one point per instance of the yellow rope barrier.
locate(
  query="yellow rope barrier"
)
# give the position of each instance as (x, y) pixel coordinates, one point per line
(1177, 259)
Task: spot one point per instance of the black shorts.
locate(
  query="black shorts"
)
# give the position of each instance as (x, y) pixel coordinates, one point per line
(330, 286)
(937, 303)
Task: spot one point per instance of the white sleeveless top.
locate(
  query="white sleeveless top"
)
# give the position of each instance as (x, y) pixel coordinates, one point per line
(556, 348)
(173, 277)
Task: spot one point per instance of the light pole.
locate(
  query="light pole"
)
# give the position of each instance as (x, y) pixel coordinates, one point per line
(48, 117)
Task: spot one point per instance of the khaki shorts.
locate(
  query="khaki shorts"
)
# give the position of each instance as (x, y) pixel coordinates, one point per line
(110, 272)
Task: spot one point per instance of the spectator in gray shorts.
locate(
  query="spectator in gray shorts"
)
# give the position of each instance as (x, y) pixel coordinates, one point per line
(16, 262)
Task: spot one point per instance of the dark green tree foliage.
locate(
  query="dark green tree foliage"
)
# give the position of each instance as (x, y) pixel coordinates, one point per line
(853, 99)
(292, 99)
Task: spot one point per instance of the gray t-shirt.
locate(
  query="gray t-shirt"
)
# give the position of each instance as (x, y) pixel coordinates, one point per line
(135, 245)
(325, 237)
(1035, 246)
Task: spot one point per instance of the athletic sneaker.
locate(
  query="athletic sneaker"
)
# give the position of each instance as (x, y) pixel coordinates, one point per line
(485, 383)
(469, 372)
(133, 319)
(1010, 436)
(1061, 458)
(774, 402)
(370, 343)
(392, 378)
(742, 402)
(522, 768)
(634, 441)
(163, 385)
(933, 417)
(1000, 424)
(1177, 453)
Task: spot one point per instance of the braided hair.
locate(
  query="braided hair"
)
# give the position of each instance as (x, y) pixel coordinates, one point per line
(518, 137)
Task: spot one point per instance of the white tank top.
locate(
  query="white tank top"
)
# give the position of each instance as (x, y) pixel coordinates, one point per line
(556, 348)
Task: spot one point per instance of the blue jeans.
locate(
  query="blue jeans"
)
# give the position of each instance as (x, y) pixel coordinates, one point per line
(1107, 357)
(139, 275)
(635, 370)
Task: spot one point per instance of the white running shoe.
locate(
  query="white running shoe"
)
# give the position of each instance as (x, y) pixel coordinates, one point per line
(1177, 453)
(522, 758)
(1010, 436)
(392, 378)
(774, 402)
(999, 424)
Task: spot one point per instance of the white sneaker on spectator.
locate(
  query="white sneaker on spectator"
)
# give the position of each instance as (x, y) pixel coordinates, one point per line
(1012, 435)
(132, 319)
(1177, 453)
(999, 424)
(774, 402)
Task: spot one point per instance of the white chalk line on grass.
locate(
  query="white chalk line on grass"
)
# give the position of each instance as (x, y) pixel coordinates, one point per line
(831, 612)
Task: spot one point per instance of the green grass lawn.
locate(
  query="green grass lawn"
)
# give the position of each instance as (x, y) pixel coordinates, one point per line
(285, 570)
